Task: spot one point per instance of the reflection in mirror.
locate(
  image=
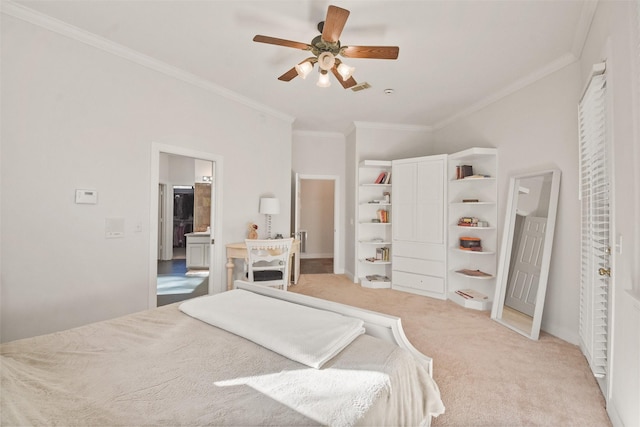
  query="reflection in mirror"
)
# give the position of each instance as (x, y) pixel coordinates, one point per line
(527, 239)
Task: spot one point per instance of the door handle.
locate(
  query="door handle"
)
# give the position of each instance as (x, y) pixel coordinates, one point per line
(604, 271)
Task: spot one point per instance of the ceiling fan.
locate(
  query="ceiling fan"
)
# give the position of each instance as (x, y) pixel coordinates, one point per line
(326, 47)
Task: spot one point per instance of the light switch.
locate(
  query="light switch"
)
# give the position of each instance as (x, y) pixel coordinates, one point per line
(87, 197)
(114, 228)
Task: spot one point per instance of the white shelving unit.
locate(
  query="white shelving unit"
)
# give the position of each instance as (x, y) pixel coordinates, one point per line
(473, 198)
(373, 237)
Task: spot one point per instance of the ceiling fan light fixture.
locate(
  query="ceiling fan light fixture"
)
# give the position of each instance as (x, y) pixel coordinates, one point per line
(326, 61)
(303, 69)
(323, 80)
(345, 71)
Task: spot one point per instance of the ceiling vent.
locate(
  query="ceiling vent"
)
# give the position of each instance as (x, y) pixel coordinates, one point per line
(361, 86)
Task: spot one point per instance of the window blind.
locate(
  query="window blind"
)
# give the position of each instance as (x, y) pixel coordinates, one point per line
(594, 196)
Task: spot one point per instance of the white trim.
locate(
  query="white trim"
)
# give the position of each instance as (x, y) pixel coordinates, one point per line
(336, 213)
(391, 126)
(311, 133)
(67, 30)
(217, 272)
(586, 17)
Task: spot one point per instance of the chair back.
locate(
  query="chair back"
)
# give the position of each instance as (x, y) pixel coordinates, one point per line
(268, 261)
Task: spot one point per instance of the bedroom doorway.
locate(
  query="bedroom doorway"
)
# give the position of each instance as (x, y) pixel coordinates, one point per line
(315, 221)
(185, 218)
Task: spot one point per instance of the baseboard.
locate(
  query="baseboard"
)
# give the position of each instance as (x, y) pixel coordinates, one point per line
(613, 415)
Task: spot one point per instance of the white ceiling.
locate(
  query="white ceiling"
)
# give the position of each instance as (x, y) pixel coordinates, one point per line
(455, 55)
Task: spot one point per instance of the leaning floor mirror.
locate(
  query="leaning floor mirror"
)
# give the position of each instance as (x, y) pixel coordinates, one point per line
(527, 240)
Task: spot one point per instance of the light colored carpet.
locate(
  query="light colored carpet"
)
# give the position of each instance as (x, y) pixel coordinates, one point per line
(488, 375)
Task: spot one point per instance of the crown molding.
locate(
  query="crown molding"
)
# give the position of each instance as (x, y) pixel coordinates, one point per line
(584, 24)
(7, 7)
(392, 126)
(539, 74)
(312, 133)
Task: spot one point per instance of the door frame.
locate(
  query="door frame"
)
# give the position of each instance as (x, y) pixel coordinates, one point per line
(216, 264)
(336, 211)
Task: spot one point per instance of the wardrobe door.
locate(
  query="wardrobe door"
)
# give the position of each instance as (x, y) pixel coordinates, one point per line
(419, 212)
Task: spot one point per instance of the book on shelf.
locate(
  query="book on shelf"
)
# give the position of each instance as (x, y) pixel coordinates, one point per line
(387, 178)
(471, 294)
(380, 179)
(382, 254)
(377, 278)
(463, 171)
(383, 215)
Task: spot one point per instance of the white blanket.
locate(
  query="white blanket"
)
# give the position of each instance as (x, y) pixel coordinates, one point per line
(303, 334)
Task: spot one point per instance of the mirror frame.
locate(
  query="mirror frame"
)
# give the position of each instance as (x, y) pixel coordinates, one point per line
(502, 278)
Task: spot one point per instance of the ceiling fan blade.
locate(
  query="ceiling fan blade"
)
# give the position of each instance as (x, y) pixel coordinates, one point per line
(281, 42)
(334, 23)
(373, 52)
(345, 83)
(289, 75)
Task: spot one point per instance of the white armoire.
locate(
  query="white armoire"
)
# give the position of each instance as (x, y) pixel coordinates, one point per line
(419, 261)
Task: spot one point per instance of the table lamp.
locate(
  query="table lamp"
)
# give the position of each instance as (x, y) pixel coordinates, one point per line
(269, 206)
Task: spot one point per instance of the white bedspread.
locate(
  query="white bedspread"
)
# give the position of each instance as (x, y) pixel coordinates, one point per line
(162, 367)
(306, 335)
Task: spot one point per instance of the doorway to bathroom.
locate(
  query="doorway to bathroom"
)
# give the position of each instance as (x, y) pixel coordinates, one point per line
(186, 217)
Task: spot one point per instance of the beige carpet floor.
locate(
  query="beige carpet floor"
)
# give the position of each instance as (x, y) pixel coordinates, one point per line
(488, 375)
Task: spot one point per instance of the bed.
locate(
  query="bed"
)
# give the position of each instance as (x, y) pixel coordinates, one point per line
(171, 366)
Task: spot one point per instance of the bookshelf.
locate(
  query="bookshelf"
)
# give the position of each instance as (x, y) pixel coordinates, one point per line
(373, 231)
(472, 215)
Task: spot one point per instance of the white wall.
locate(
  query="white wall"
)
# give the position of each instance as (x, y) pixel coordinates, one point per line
(535, 129)
(77, 117)
(614, 36)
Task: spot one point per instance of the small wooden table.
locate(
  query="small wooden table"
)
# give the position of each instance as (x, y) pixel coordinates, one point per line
(239, 251)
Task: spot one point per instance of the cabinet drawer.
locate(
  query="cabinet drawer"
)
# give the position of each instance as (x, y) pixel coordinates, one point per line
(418, 281)
(419, 266)
(430, 251)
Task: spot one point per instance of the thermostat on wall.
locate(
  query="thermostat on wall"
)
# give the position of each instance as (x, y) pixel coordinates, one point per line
(89, 197)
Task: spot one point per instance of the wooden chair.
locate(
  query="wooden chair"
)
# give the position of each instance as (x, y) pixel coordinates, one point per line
(268, 262)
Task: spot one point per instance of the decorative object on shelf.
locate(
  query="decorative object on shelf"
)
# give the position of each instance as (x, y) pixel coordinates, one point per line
(471, 294)
(473, 273)
(253, 231)
(377, 278)
(470, 244)
(269, 206)
(387, 197)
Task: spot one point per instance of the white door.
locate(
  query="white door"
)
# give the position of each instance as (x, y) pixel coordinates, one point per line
(404, 201)
(597, 227)
(523, 283)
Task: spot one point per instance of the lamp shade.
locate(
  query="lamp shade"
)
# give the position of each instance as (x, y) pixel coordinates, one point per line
(269, 206)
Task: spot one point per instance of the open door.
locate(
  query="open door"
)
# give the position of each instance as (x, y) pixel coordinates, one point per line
(207, 263)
